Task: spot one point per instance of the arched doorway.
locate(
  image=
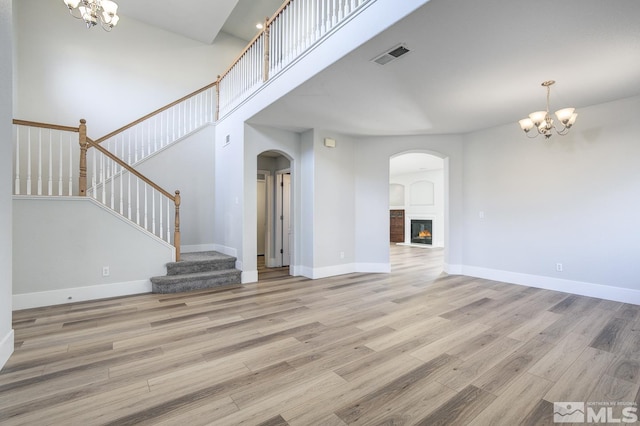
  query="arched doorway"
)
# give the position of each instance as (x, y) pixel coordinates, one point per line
(417, 207)
(274, 243)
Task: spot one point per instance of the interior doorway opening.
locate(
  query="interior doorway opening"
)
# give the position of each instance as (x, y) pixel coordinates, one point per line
(417, 198)
(274, 241)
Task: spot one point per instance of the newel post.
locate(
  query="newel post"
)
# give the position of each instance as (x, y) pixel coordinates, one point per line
(266, 50)
(82, 131)
(176, 232)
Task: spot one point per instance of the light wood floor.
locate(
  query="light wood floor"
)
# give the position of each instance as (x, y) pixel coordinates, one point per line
(268, 274)
(411, 347)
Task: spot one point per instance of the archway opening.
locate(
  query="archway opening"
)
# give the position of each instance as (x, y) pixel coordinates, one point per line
(274, 242)
(417, 219)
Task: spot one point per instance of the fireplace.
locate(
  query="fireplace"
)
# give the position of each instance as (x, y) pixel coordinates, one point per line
(421, 231)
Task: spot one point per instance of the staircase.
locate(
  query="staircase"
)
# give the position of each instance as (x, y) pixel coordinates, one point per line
(197, 271)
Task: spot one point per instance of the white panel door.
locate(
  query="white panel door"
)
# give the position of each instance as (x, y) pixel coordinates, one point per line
(261, 204)
(286, 219)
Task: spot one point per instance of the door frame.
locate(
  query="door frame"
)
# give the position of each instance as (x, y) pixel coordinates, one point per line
(282, 236)
(267, 182)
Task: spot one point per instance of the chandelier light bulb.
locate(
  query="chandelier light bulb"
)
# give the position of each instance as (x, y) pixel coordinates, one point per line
(109, 7)
(93, 12)
(72, 4)
(543, 122)
(538, 117)
(526, 124)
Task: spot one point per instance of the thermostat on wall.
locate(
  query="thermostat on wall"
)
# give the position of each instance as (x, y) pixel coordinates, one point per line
(329, 143)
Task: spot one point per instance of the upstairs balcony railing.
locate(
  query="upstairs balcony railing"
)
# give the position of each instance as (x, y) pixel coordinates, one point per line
(292, 30)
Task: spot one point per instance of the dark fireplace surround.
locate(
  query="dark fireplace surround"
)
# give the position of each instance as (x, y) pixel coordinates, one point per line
(421, 231)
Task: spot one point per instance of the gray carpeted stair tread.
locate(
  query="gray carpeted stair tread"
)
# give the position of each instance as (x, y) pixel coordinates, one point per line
(201, 262)
(196, 271)
(203, 255)
(167, 279)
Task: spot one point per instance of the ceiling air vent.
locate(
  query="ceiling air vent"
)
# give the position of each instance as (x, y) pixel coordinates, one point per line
(391, 55)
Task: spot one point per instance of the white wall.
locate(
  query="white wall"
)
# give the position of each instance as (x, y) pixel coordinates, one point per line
(6, 100)
(71, 240)
(229, 195)
(372, 194)
(188, 166)
(235, 191)
(304, 247)
(334, 218)
(67, 72)
(573, 200)
(433, 211)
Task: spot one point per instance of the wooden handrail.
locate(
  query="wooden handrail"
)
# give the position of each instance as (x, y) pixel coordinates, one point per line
(268, 22)
(45, 125)
(175, 198)
(130, 169)
(278, 12)
(237, 59)
(156, 112)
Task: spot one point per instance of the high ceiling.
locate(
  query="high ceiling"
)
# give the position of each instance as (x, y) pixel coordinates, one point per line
(473, 64)
(202, 20)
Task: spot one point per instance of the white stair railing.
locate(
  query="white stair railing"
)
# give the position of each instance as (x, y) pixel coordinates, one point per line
(45, 158)
(128, 194)
(153, 132)
(295, 27)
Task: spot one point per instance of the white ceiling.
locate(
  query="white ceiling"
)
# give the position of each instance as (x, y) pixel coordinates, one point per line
(473, 64)
(247, 13)
(202, 20)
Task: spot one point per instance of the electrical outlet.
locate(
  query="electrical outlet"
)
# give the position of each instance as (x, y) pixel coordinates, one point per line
(105, 271)
(341, 255)
(558, 267)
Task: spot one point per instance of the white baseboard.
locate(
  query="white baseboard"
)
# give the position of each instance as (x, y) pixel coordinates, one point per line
(296, 271)
(617, 294)
(79, 294)
(197, 247)
(348, 268)
(452, 269)
(249, 277)
(6, 348)
(229, 251)
(332, 271)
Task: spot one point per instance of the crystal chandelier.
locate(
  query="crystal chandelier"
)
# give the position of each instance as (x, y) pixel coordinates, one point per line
(543, 122)
(94, 11)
